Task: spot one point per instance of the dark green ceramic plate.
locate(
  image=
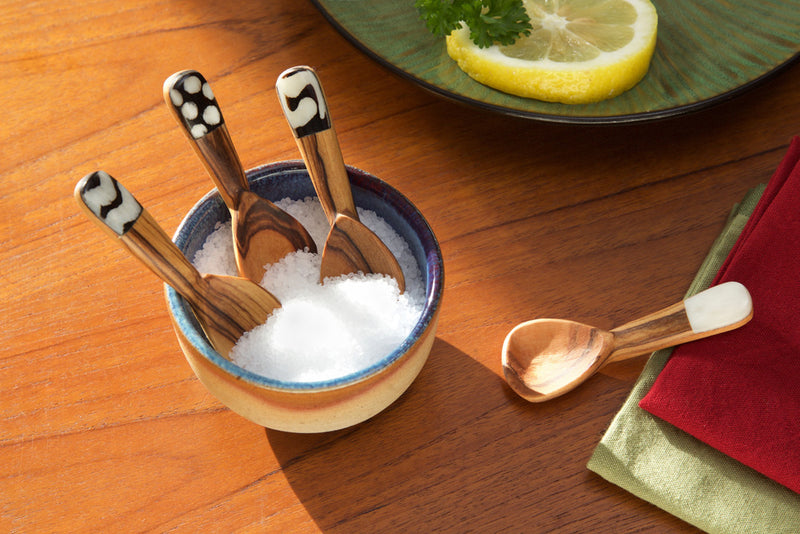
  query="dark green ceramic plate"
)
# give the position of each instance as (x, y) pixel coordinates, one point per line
(708, 51)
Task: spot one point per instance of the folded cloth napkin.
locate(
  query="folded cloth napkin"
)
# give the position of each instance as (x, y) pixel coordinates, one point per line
(740, 391)
(669, 468)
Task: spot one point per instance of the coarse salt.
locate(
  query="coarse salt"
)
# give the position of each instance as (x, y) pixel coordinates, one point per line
(324, 331)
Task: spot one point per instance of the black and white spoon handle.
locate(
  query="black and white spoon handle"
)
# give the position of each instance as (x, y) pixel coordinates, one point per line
(108, 201)
(115, 210)
(193, 104)
(306, 109)
(303, 102)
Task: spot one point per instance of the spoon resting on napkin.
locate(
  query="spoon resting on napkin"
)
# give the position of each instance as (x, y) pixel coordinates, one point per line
(739, 392)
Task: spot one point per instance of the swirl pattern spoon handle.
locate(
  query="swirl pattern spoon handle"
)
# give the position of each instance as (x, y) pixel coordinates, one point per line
(350, 246)
(225, 306)
(262, 232)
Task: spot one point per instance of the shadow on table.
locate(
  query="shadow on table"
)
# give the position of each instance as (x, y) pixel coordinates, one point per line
(386, 471)
(458, 451)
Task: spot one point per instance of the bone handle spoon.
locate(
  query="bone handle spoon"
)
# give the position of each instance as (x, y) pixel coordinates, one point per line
(350, 246)
(262, 232)
(545, 358)
(225, 306)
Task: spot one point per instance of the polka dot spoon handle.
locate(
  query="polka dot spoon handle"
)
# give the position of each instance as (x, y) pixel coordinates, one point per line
(194, 106)
(262, 232)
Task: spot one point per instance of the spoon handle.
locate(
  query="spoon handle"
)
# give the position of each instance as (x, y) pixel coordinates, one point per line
(188, 95)
(117, 212)
(303, 101)
(713, 311)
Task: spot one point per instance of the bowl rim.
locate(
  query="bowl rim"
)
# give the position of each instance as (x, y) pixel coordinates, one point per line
(183, 318)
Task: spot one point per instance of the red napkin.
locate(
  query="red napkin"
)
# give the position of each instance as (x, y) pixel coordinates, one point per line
(740, 391)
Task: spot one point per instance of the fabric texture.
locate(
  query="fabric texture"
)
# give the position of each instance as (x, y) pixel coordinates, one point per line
(740, 391)
(680, 474)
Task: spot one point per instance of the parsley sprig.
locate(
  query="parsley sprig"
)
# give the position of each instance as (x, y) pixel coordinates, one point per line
(489, 21)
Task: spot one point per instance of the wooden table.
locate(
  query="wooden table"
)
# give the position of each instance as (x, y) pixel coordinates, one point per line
(104, 426)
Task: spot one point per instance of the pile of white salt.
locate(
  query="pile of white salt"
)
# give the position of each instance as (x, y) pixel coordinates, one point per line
(322, 331)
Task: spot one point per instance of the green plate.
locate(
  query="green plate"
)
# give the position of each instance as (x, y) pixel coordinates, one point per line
(708, 51)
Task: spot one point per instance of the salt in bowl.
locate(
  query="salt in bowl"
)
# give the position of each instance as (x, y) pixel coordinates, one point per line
(329, 404)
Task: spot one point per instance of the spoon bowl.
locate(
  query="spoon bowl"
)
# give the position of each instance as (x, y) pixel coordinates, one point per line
(545, 358)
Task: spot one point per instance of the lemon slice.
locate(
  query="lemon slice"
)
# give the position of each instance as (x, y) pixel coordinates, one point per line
(579, 51)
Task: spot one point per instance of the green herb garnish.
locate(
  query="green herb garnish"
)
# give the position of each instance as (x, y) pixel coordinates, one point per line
(489, 21)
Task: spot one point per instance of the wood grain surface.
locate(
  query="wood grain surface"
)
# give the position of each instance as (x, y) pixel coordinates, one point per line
(104, 427)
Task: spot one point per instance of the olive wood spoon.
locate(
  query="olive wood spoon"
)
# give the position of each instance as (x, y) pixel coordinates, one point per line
(262, 232)
(350, 246)
(225, 306)
(545, 358)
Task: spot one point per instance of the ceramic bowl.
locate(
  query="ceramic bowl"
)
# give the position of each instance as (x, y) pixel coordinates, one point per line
(312, 406)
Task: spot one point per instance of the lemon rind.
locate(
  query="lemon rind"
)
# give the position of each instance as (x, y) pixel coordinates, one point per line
(570, 83)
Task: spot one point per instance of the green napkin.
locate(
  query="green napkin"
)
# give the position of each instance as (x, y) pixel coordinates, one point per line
(661, 464)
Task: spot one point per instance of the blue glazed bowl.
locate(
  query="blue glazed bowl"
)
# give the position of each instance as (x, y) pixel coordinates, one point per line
(325, 405)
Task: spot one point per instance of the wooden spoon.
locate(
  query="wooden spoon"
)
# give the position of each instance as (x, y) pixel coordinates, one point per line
(226, 306)
(262, 232)
(545, 358)
(350, 246)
